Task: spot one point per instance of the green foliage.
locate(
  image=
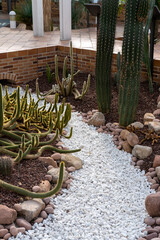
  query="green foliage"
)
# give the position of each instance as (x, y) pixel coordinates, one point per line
(24, 12)
(67, 85)
(78, 11)
(132, 52)
(158, 3)
(49, 74)
(105, 45)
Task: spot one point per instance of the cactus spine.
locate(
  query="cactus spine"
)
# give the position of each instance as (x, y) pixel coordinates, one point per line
(105, 45)
(132, 52)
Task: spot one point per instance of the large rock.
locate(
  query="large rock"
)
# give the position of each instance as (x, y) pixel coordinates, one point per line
(156, 161)
(126, 147)
(148, 117)
(98, 119)
(132, 139)
(48, 160)
(54, 172)
(31, 209)
(7, 215)
(154, 126)
(124, 134)
(141, 152)
(72, 161)
(152, 204)
(137, 125)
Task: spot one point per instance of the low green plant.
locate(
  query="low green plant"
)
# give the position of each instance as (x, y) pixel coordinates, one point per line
(24, 12)
(67, 86)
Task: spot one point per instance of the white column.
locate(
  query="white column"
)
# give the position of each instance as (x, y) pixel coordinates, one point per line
(37, 17)
(65, 19)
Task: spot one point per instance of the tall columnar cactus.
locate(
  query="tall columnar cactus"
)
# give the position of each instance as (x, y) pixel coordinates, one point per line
(105, 44)
(132, 52)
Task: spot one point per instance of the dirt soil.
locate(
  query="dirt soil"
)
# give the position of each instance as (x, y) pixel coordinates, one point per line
(25, 174)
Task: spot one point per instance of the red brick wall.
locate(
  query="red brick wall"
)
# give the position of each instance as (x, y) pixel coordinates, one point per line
(27, 65)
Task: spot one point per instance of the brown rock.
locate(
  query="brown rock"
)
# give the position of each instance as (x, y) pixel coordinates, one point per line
(152, 204)
(7, 215)
(54, 172)
(31, 209)
(71, 161)
(158, 99)
(124, 134)
(45, 186)
(148, 117)
(7, 236)
(151, 236)
(36, 189)
(48, 160)
(71, 169)
(13, 231)
(156, 161)
(156, 112)
(158, 221)
(21, 222)
(1, 226)
(132, 139)
(39, 220)
(98, 119)
(56, 156)
(21, 229)
(126, 147)
(17, 207)
(49, 210)
(48, 177)
(3, 232)
(43, 214)
(149, 221)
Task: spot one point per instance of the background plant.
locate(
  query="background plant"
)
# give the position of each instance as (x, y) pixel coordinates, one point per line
(24, 12)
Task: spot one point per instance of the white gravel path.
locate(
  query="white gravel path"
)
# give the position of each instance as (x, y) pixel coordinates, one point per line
(106, 199)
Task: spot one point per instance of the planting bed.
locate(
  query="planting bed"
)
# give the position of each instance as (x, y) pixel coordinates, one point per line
(21, 174)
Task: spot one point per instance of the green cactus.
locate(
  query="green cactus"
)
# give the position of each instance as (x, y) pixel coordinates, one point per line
(105, 45)
(27, 193)
(17, 116)
(146, 44)
(132, 52)
(67, 86)
(6, 165)
(117, 74)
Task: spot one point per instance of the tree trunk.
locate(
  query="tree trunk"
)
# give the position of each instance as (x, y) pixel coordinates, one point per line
(47, 15)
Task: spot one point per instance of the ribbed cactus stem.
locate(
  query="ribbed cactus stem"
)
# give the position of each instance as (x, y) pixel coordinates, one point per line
(132, 52)
(1, 108)
(27, 193)
(105, 46)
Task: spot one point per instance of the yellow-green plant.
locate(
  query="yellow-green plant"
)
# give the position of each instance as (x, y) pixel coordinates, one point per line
(24, 125)
(67, 85)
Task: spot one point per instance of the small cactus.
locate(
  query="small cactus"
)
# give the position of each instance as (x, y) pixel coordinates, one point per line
(6, 165)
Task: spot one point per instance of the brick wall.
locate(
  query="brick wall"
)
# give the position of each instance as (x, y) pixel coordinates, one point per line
(27, 65)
